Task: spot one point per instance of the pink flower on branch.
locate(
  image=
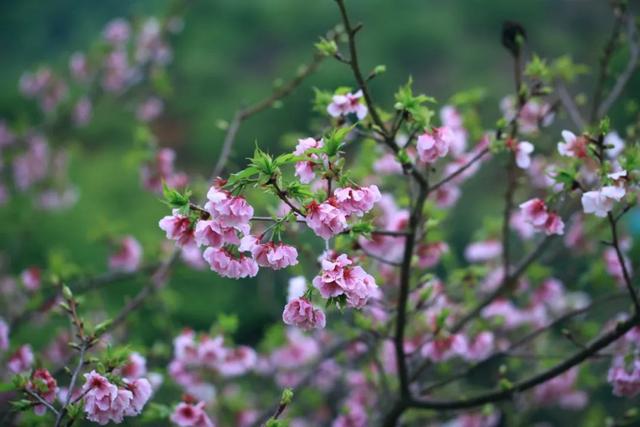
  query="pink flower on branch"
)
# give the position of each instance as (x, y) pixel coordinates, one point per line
(300, 312)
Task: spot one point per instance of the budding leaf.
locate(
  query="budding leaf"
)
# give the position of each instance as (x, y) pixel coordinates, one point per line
(326, 47)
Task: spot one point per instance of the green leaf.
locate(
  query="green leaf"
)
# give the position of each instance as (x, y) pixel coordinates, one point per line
(326, 47)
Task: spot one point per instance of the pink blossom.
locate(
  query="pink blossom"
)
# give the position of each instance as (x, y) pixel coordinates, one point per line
(447, 195)
(523, 152)
(614, 266)
(522, 225)
(297, 288)
(45, 386)
(440, 349)
(614, 144)
(141, 391)
(387, 164)
(227, 265)
(82, 112)
(185, 348)
(211, 233)
(104, 401)
(117, 31)
(305, 169)
(625, 380)
(31, 278)
(480, 347)
(211, 351)
(326, 219)
(150, 109)
(509, 313)
(554, 225)
(340, 277)
(178, 227)
(533, 114)
(429, 254)
(600, 202)
(535, 212)
(229, 210)
(31, 166)
(573, 146)
(561, 391)
(191, 256)
(21, 360)
(136, 367)
(451, 118)
(238, 361)
(434, 144)
(300, 312)
(6, 136)
(483, 250)
(341, 105)
(160, 169)
(128, 256)
(273, 255)
(357, 201)
(299, 350)
(78, 66)
(189, 415)
(4, 335)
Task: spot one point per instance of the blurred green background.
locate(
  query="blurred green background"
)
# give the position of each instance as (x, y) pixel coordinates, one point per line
(229, 54)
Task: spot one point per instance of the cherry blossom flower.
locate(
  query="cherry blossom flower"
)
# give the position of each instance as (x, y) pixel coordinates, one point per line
(128, 256)
(429, 254)
(535, 212)
(104, 401)
(237, 361)
(227, 265)
(600, 202)
(523, 152)
(357, 201)
(141, 391)
(136, 367)
(614, 266)
(434, 144)
(388, 164)
(451, 118)
(82, 112)
(45, 386)
(533, 114)
(150, 109)
(440, 349)
(573, 146)
(4, 335)
(78, 66)
(483, 250)
(276, 255)
(117, 31)
(304, 170)
(212, 233)
(614, 144)
(341, 105)
(561, 391)
(340, 277)
(554, 225)
(229, 210)
(160, 169)
(297, 288)
(178, 227)
(31, 278)
(21, 360)
(326, 219)
(300, 312)
(625, 380)
(480, 347)
(189, 415)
